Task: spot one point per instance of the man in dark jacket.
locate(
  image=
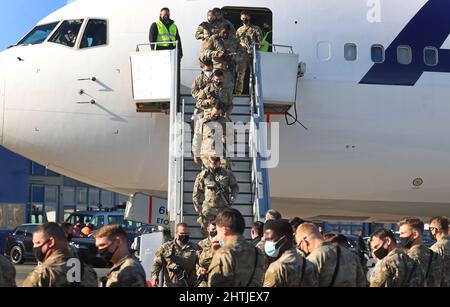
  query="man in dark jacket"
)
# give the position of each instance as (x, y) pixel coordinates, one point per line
(165, 33)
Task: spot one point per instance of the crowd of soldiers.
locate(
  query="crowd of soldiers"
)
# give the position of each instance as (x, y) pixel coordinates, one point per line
(297, 254)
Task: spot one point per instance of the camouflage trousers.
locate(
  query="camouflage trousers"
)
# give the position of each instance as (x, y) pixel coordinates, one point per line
(241, 68)
(208, 215)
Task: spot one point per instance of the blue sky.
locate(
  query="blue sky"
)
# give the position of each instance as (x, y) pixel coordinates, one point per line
(18, 17)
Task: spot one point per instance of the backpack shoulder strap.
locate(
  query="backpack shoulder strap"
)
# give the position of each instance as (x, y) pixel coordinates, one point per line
(336, 270)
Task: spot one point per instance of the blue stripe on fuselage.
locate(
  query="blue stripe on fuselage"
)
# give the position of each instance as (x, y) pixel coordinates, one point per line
(429, 27)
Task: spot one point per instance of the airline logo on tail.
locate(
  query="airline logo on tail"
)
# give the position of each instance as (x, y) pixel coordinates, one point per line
(430, 27)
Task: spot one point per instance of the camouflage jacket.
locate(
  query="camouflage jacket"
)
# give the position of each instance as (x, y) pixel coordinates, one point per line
(235, 265)
(127, 273)
(56, 271)
(205, 185)
(224, 96)
(350, 272)
(291, 270)
(199, 85)
(178, 264)
(429, 262)
(249, 35)
(442, 248)
(7, 273)
(209, 135)
(229, 46)
(397, 269)
(206, 254)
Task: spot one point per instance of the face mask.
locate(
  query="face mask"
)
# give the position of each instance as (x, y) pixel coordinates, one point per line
(213, 234)
(381, 252)
(208, 74)
(183, 239)
(245, 21)
(38, 254)
(166, 18)
(406, 242)
(271, 250)
(106, 254)
(218, 83)
(222, 243)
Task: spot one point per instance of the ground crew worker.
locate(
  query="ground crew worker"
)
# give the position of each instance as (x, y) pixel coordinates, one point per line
(7, 273)
(336, 266)
(219, 188)
(237, 263)
(222, 22)
(205, 30)
(205, 255)
(211, 137)
(267, 40)
(439, 230)
(216, 92)
(225, 51)
(164, 33)
(54, 268)
(177, 260)
(111, 241)
(248, 35)
(288, 268)
(411, 233)
(395, 268)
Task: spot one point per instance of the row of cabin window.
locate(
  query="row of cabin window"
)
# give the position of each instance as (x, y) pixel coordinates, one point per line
(404, 54)
(95, 34)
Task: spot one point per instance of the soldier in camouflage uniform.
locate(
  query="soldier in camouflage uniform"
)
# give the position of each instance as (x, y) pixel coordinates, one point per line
(205, 255)
(222, 22)
(207, 184)
(248, 35)
(333, 271)
(288, 268)
(225, 51)
(177, 260)
(202, 80)
(111, 241)
(237, 263)
(55, 263)
(206, 29)
(395, 268)
(7, 273)
(439, 230)
(211, 137)
(215, 92)
(411, 233)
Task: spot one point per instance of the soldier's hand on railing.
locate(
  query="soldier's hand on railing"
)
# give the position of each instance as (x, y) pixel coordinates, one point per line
(197, 160)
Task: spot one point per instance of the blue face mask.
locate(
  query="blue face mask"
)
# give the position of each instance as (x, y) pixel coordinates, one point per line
(271, 250)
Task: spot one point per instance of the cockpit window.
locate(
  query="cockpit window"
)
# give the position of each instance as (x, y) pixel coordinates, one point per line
(39, 34)
(67, 33)
(95, 34)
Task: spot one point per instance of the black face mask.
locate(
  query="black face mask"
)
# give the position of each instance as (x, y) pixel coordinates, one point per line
(245, 21)
(219, 83)
(184, 239)
(381, 252)
(406, 242)
(38, 254)
(106, 254)
(166, 19)
(213, 234)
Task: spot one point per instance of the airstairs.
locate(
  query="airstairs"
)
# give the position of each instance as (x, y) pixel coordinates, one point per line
(249, 153)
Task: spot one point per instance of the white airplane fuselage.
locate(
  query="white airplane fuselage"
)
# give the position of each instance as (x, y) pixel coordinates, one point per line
(365, 145)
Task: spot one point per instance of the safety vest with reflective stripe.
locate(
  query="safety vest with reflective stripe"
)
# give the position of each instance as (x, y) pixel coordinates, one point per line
(165, 35)
(264, 43)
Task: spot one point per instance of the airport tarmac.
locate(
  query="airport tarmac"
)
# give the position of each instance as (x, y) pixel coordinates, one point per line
(23, 270)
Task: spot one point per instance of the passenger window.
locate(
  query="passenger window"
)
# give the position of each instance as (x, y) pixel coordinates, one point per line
(404, 55)
(67, 33)
(431, 56)
(350, 52)
(96, 34)
(38, 35)
(377, 54)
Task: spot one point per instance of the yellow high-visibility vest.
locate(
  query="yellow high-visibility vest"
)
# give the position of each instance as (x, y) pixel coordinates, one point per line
(165, 35)
(265, 43)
